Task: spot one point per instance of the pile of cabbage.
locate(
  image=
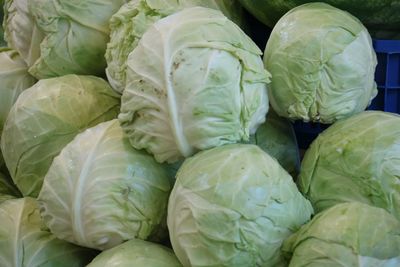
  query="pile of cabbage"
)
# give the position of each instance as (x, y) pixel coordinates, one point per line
(157, 133)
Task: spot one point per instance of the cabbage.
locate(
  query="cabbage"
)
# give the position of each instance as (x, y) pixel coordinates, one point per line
(100, 192)
(136, 253)
(14, 78)
(357, 159)
(277, 137)
(45, 118)
(233, 206)
(7, 189)
(25, 242)
(60, 37)
(348, 234)
(134, 18)
(322, 63)
(194, 81)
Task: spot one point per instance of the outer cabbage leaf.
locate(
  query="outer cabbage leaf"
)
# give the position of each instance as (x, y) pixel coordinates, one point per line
(59, 37)
(323, 64)
(7, 189)
(277, 137)
(14, 78)
(21, 31)
(136, 253)
(357, 159)
(130, 23)
(100, 192)
(24, 242)
(233, 206)
(348, 234)
(45, 118)
(194, 81)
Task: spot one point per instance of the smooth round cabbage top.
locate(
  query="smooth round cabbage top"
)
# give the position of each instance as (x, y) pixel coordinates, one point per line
(60, 37)
(380, 15)
(195, 81)
(100, 191)
(322, 64)
(132, 20)
(45, 118)
(348, 234)
(233, 205)
(136, 252)
(357, 159)
(25, 241)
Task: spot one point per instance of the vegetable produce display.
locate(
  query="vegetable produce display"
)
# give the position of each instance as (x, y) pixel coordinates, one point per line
(158, 133)
(328, 73)
(348, 234)
(195, 81)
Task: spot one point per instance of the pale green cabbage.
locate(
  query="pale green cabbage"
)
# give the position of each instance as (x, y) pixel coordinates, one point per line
(14, 78)
(25, 242)
(233, 206)
(194, 81)
(7, 189)
(277, 137)
(45, 118)
(348, 235)
(136, 253)
(357, 159)
(100, 192)
(322, 63)
(130, 23)
(59, 37)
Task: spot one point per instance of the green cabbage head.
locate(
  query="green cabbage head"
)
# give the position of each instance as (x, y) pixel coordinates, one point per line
(322, 63)
(24, 241)
(356, 159)
(45, 118)
(100, 191)
(276, 136)
(195, 81)
(348, 235)
(233, 205)
(136, 252)
(59, 37)
(130, 23)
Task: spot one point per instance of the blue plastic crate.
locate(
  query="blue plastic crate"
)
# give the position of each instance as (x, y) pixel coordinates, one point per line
(387, 77)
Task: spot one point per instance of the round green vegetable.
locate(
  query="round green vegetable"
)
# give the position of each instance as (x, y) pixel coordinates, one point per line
(322, 63)
(195, 81)
(130, 23)
(357, 159)
(380, 15)
(48, 116)
(348, 234)
(100, 192)
(233, 206)
(136, 253)
(24, 241)
(59, 37)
